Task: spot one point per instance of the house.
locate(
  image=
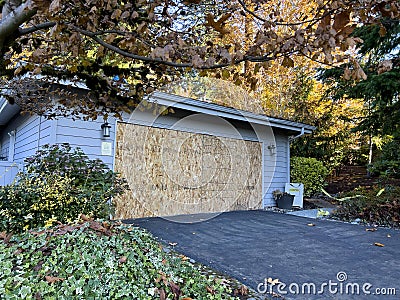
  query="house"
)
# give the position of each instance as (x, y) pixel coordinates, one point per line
(202, 157)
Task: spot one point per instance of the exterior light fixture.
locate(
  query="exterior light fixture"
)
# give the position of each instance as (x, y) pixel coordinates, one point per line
(272, 148)
(106, 129)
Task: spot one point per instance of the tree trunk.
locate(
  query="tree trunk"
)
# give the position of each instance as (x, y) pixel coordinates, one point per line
(371, 145)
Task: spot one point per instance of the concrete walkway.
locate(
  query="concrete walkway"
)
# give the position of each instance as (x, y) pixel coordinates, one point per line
(254, 245)
(311, 213)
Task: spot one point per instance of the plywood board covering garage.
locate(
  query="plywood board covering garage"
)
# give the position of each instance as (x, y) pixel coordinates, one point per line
(173, 172)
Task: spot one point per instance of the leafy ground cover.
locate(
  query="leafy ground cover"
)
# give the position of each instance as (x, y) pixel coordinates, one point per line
(102, 260)
(376, 205)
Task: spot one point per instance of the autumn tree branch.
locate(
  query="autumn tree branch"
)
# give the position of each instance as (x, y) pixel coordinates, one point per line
(24, 31)
(13, 19)
(94, 36)
(308, 21)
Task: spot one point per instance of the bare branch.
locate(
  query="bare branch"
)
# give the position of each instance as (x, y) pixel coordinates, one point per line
(124, 33)
(9, 6)
(312, 21)
(24, 31)
(11, 22)
(147, 59)
(251, 12)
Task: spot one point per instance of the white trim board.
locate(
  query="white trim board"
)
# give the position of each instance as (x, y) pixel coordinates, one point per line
(189, 104)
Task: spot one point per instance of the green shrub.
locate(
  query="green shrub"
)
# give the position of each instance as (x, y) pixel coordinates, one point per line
(385, 168)
(376, 206)
(388, 162)
(58, 184)
(310, 172)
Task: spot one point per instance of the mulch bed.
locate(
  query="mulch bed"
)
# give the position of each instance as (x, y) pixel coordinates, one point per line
(351, 177)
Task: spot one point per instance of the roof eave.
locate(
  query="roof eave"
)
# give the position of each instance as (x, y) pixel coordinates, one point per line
(175, 101)
(7, 111)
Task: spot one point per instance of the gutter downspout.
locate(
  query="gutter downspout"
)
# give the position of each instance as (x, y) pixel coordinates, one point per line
(291, 139)
(11, 146)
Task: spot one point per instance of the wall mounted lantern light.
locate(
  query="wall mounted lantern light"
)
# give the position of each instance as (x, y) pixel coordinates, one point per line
(106, 129)
(272, 148)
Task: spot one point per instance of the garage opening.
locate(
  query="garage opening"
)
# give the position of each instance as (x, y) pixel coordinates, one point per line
(173, 172)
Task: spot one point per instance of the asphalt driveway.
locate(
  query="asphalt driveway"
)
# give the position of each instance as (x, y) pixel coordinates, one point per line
(331, 260)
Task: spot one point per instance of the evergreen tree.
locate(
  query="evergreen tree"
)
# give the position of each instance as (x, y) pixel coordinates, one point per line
(379, 57)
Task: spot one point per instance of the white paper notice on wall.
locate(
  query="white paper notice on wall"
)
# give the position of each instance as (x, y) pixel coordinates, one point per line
(106, 148)
(297, 190)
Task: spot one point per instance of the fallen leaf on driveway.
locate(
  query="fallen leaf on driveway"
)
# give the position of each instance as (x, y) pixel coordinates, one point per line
(51, 279)
(273, 281)
(379, 245)
(242, 291)
(310, 224)
(85, 218)
(175, 289)
(6, 237)
(37, 232)
(60, 232)
(122, 259)
(18, 251)
(224, 282)
(371, 229)
(96, 226)
(38, 266)
(162, 294)
(210, 290)
(162, 278)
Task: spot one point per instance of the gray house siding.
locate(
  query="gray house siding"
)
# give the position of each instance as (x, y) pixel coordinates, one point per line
(5, 144)
(86, 135)
(195, 123)
(7, 172)
(280, 170)
(31, 132)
